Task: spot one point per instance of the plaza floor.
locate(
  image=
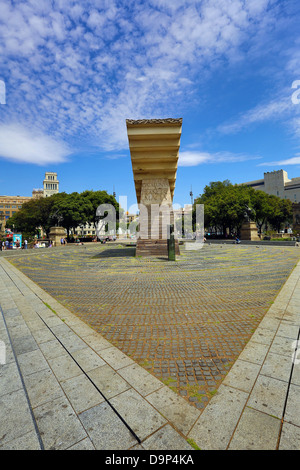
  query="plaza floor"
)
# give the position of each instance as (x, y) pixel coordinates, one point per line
(185, 324)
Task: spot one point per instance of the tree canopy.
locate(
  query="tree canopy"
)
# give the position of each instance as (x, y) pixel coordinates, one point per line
(227, 206)
(66, 210)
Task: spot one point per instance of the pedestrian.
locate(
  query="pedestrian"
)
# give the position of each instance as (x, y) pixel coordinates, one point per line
(25, 244)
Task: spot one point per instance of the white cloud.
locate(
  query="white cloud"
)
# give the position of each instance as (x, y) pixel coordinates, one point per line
(194, 158)
(277, 110)
(288, 161)
(127, 61)
(25, 146)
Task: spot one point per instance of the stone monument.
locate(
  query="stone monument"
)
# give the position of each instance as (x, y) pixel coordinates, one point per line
(154, 148)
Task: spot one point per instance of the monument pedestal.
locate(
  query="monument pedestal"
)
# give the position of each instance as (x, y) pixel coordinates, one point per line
(55, 235)
(249, 231)
(154, 146)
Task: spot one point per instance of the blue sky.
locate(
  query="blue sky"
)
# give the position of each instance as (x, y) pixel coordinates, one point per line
(75, 71)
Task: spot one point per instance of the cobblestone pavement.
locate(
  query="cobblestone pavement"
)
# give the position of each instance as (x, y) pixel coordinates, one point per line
(186, 322)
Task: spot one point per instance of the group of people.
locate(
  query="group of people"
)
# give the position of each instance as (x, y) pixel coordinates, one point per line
(8, 245)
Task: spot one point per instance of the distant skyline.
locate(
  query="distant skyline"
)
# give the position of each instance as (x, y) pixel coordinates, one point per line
(72, 73)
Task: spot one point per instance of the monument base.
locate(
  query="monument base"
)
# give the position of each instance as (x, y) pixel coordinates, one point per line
(56, 234)
(249, 231)
(151, 247)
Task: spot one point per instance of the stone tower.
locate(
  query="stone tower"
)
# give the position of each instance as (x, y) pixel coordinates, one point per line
(50, 184)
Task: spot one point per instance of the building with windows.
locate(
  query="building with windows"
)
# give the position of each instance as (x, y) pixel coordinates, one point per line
(50, 184)
(11, 204)
(278, 184)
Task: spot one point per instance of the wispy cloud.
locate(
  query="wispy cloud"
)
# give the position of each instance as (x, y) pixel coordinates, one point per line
(288, 161)
(79, 70)
(194, 158)
(26, 146)
(273, 110)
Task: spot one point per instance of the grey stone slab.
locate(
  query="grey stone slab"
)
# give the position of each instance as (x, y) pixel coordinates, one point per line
(283, 346)
(115, 358)
(88, 359)
(81, 393)
(268, 396)
(292, 412)
(254, 352)
(108, 381)
(288, 330)
(105, 429)
(216, 425)
(31, 362)
(290, 437)
(166, 438)
(10, 380)
(242, 375)
(296, 370)
(85, 444)
(15, 416)
(263, 336)
(24, 344)
(97, 342)
(277, 366)
(141, 417)
(64, 367)
(255, 431)
(52, 348)
(28, 441)
(42, 386)
(42, 335)
(72, 342)
(174, 408)
(140, 379)
(58, 424)
(61, 329)
(270, 323)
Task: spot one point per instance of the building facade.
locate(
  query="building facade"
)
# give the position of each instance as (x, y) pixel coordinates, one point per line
(9, 205)
(50, 184)
(277, 183)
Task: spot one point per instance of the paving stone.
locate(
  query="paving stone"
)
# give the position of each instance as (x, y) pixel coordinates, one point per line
(242, 375)
(15, 416)
(214, 428)
(292, 412)
(140, 380)
(166, 438)
(268, 396)
(174, 408)
(58, 424)
(141, 417)
(108, 381)
(290, 437)
(105, 429)
(255, 431)
(81, 393)
(42, 386)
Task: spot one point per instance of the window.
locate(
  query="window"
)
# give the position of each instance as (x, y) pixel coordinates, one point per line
(13, 206)
(7, 207)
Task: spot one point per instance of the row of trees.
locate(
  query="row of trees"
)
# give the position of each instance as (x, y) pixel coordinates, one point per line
(227, 206)
(67, 210)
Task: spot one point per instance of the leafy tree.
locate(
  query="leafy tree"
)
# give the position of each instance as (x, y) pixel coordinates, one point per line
(280, 212)
(226, 206)
(33, 215)
(70, 210)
